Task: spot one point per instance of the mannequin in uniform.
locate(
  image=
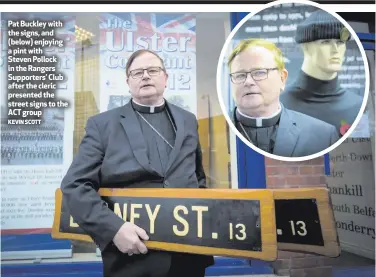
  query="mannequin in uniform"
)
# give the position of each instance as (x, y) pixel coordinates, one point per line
(147, 143)
(316, 91)
(258, 76)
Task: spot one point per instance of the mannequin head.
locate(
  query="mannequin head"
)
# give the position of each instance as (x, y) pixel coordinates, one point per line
(323, 39)
(323, 58)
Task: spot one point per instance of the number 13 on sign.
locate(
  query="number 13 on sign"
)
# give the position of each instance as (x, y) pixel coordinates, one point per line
(240, 231)
(302, 231)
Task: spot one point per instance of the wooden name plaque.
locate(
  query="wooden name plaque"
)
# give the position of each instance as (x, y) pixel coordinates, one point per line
(305, 221)
(242, 223)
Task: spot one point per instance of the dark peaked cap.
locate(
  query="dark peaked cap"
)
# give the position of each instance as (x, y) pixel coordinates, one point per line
(321, 25)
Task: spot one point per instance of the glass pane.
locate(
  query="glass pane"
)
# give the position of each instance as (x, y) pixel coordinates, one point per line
(100, 76)
(100, 44)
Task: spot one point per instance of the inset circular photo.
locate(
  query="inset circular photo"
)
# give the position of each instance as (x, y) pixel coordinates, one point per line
(293, 80)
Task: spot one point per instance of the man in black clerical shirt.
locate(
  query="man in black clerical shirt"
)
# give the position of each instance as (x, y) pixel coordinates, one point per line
(147, 143)
(316, 91)
(258, 76)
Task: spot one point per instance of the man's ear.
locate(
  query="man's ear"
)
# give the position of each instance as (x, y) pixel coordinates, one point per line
(166, 79)
(284, 75)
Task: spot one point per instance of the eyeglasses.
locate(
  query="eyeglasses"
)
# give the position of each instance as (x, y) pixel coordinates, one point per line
(139, 73)
(257, 75)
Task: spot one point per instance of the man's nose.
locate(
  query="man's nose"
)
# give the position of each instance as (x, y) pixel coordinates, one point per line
(146, 75)
(249, 80)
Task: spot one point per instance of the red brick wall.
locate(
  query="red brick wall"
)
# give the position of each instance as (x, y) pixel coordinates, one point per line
(281, 174)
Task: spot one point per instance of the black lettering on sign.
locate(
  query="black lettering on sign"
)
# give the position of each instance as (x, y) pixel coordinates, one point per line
(298, 222)
(219, 223)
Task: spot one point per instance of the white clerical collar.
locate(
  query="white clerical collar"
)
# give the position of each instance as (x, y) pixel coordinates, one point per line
(259, 120)
(149, 108)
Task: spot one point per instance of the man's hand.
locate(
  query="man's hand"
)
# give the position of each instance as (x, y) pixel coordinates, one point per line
(127, 239)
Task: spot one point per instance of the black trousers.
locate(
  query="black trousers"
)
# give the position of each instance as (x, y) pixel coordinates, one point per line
(153, 264)
(181, 268)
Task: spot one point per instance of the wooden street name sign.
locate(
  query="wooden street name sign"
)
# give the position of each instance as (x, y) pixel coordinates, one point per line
(305, 221)
(242, 223)
(236, 223)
